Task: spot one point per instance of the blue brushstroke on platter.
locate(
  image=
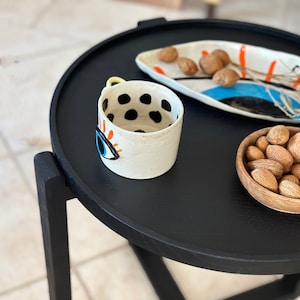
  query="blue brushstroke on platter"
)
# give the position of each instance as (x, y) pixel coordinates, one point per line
(251, 97)
(245, 89)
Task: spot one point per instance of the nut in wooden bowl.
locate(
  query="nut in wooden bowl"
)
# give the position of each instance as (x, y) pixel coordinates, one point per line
(272, 199)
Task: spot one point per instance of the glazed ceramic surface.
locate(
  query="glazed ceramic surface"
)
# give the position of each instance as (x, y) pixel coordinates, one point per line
(139, 128)
(269, 85)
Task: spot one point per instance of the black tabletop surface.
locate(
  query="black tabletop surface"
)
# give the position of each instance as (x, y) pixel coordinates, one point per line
(198, 212)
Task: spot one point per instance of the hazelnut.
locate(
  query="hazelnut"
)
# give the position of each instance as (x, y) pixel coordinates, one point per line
(187, 65)
(168, 54)
(210, 63)
(226, 77)
(223, 55)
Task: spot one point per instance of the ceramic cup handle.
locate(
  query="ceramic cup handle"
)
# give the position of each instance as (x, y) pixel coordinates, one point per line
(114, 80)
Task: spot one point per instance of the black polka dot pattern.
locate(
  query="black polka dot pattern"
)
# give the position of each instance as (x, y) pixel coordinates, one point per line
(105, 104)
(155, 116)
(111, 117)
(124, 99)
(131, 114)
(143, 106)
(166, 105)
(145, 99)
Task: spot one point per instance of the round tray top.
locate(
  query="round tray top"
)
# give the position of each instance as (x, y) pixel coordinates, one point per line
(198, 212)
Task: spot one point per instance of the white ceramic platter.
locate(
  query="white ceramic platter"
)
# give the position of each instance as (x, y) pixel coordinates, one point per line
(269, 85)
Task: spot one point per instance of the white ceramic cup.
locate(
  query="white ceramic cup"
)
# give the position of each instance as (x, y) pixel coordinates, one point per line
(139, 128)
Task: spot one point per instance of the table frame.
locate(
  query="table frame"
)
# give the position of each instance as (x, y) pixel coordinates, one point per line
(53, 194)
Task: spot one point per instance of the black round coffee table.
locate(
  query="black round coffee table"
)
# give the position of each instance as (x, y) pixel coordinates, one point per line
(197, 213)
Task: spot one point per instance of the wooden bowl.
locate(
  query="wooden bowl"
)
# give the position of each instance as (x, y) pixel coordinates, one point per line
(261, 194)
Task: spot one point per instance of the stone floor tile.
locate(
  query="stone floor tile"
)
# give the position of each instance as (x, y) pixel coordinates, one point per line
(196, 283)
(35, 290)
(22, 44)
(21, 12)
(3, 147)
(88, 236)
(26, 93)
(21, 247)
(117, 275)
(276, 14)
(25, 161)
(38, 290)
(105, 18)
(290, 18)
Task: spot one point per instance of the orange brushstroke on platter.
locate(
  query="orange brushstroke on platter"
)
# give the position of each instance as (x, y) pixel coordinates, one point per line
(296, 83)
(159, 70)
(242, 58)
(270, 71)
(204, 52)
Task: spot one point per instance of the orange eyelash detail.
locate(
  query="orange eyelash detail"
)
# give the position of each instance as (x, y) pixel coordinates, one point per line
(103, 126)
(110, 135)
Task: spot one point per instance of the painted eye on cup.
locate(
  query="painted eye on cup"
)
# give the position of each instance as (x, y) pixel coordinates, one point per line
(105, 147)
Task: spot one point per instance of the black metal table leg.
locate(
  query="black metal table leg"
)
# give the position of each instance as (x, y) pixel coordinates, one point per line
(53, 193)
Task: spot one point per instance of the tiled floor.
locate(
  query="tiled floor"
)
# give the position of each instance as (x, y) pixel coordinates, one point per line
(39, 39)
